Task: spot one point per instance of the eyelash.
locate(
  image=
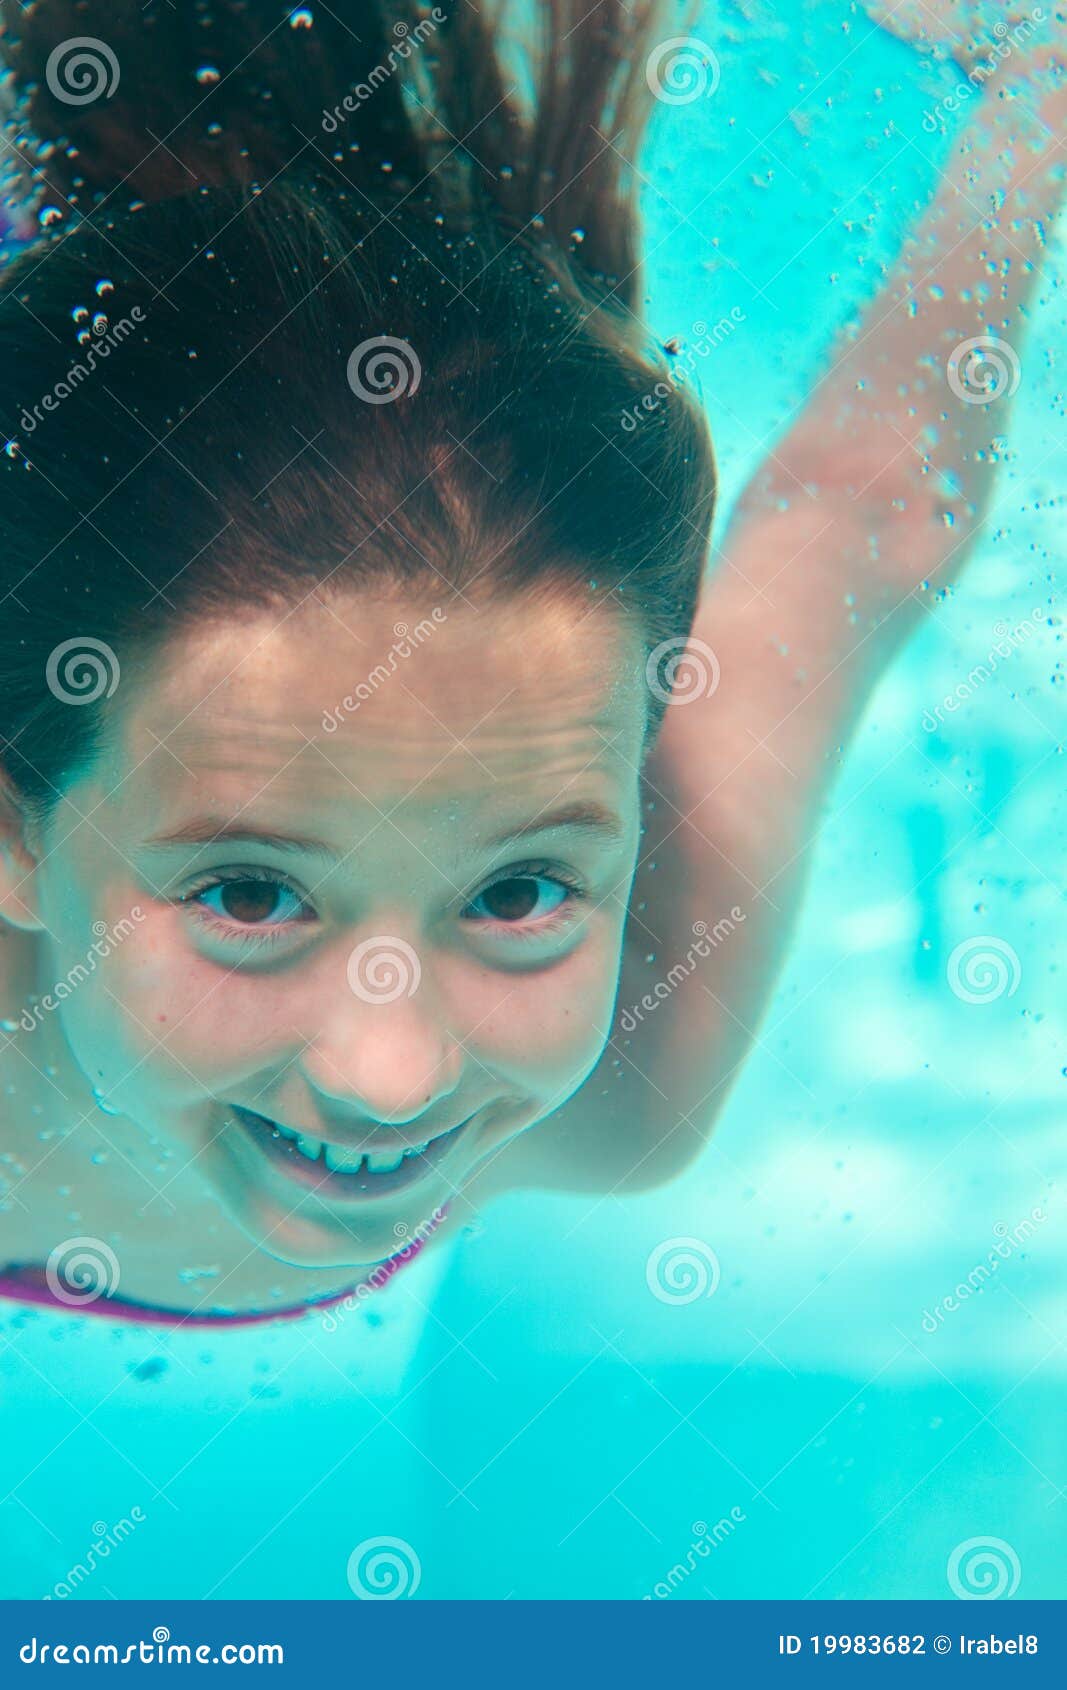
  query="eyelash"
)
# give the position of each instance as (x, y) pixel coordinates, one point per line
(264, 936)
(561, 918)
(261, 937)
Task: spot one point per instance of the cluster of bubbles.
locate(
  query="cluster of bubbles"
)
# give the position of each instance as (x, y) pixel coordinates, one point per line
(983, 369)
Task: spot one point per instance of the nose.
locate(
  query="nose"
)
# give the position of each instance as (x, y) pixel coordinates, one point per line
(386, 1058)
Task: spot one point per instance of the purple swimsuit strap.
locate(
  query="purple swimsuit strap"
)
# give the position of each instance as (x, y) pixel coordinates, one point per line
(30, 1284)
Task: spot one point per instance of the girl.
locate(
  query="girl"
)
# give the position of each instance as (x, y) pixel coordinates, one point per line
(368, 722)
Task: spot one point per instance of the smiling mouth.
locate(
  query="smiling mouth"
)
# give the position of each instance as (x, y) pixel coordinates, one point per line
(338, 1173)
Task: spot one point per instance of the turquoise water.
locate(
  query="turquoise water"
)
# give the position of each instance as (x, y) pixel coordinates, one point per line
(523, 1413)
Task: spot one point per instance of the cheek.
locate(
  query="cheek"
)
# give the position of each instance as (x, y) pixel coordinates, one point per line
(549, 1026)
(157, 1016)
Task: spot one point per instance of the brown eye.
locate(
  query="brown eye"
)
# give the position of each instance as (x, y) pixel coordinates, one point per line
(511, 900)
(248, 900)
(252, 901)
(521, 897)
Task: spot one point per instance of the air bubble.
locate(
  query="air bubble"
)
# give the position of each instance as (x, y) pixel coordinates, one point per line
(207, 74)
(302, 18)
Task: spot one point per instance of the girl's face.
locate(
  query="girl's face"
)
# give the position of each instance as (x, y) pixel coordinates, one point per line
(361, 874)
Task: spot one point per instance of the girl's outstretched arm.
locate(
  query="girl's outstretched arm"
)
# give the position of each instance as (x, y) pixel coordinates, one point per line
(881, 484)
(884, 480)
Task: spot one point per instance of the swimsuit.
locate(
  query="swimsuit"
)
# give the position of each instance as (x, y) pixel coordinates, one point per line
(29, 1284)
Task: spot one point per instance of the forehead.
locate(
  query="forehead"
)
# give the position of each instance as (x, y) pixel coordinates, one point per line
(364, 699)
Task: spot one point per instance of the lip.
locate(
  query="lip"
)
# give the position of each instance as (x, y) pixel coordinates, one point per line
(343, 1137)
(340, 1188)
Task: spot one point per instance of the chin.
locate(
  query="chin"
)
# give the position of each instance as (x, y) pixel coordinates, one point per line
(325, 1241)
(289, 1222)
(303, 1231)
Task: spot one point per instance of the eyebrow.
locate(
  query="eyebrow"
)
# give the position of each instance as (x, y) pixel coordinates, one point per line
(582, 815)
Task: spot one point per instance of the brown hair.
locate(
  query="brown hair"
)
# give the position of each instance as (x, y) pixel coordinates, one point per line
(318, 249)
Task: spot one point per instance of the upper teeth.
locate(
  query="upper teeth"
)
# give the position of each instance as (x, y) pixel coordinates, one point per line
(343, 1161)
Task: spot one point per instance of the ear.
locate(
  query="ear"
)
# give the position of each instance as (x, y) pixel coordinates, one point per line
(18, 865)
